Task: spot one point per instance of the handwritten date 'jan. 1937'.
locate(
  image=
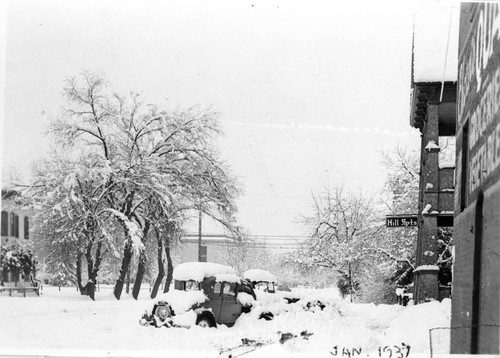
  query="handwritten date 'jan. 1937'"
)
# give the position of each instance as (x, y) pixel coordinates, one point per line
(391, 351)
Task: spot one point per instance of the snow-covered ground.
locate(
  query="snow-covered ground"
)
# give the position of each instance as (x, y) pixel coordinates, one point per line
(65, 323)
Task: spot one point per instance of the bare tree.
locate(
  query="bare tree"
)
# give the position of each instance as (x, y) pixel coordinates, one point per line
(243, 254)
(338, 230)
(402, 181)
(149, 161)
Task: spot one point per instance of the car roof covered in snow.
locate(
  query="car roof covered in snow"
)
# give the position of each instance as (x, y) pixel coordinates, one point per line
(197, 271)
(257, 275)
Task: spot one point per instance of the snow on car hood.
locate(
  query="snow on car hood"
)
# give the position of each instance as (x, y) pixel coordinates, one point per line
(182, 301)
(197, 271)
(267, 298)
(259, 275)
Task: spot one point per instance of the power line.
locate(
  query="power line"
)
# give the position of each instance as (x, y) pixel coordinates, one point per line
(279, 237)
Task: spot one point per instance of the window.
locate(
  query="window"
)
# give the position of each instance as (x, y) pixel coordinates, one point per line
(5, 223)
(262, 286)
(272, 289)
(16, 225)
(26, 227)
(192, 285)
(229, 289)
(217, 287)
(12, 224)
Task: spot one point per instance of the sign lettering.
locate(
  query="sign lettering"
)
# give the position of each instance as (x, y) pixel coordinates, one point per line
(401, 221)
(478, 96)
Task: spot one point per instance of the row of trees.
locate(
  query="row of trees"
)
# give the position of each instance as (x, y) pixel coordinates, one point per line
(123, 174)
(347, 234)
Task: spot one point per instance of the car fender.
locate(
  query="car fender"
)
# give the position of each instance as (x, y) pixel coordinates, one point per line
(206, 313)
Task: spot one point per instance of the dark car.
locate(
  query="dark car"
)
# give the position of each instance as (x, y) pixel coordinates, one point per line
(204, 294)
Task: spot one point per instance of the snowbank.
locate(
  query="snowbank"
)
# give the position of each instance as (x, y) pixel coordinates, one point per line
(412, 326)
(65, 323)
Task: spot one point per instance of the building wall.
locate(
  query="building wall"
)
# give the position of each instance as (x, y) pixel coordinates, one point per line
(476, 289)
(215, 250)
(20, 236)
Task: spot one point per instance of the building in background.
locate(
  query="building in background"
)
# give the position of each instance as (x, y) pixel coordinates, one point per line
(17, 262)
(475, 315)
(433, 112)
(16, 221)
(212, 249)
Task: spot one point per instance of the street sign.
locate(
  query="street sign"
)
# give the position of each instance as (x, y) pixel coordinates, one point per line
(401, 221)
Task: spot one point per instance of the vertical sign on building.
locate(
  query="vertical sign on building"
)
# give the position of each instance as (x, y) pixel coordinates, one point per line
(478, 103)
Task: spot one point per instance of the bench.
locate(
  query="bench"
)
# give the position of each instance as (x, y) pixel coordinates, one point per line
(35, 289)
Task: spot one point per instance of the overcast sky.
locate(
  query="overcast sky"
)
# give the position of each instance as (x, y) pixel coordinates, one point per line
(309, 92)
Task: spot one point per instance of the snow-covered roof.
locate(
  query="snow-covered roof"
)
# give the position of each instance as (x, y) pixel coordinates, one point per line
(227, 277)
(259, 275)
(197, 271)
(435, 42)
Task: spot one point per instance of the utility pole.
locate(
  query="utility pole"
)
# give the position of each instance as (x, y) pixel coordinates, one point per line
(199, 236)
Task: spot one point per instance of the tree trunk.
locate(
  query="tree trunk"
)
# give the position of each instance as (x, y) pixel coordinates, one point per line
(93, 269)
(161, 266)
(127, 288)
(127, 256)
(141, 266)
(170, 266)
(90, 260)
(97, 264)
(79, 272)
(351, 281)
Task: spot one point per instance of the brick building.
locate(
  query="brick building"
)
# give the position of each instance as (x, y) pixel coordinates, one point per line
(476, 289)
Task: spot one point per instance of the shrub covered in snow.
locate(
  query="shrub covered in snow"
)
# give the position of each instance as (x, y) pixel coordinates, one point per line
(16, 259)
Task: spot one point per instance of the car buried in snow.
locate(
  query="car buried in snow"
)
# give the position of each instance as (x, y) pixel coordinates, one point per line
(267, 291)
(261, 280)
(204, 294)
(265, 283)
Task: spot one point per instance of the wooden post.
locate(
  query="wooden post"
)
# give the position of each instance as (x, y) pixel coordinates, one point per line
(199, 236)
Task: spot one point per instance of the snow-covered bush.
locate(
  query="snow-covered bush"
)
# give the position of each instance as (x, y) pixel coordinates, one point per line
(17, 260)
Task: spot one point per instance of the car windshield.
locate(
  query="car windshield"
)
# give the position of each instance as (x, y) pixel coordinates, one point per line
(262, 286)
(192, 285)
(246, 287)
